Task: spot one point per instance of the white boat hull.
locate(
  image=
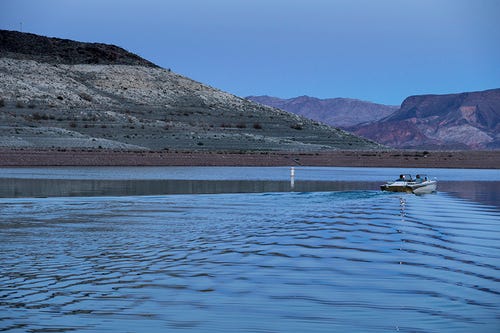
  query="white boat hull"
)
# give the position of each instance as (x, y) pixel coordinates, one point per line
(425, 187)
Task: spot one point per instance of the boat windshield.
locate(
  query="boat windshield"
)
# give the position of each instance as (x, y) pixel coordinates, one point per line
(404, 178)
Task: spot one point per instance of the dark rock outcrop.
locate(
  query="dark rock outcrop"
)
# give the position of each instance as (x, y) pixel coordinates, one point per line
(18, 45)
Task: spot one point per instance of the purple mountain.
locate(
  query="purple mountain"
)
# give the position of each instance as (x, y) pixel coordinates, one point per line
(468, 120)
(338, 112)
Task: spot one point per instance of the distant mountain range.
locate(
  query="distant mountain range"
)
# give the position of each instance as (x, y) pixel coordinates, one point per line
(57, 93)
(339, 112)
(455, 121)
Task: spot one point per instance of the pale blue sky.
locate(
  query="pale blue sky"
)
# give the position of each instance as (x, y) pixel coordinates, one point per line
(380, 51)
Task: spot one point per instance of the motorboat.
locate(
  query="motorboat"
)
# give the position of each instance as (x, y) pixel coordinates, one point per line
(405, 183)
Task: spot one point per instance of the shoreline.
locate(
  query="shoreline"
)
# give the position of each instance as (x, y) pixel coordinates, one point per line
(390, 158)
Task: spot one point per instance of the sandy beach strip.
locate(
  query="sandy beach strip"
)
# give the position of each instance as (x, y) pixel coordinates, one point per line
(417, 159)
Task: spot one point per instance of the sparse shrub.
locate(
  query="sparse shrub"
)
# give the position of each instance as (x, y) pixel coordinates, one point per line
(2, 103)
(257, 126)
(40, 116)
(19, 105)
(200, 143)
(296, 127)
(241, 125)
(72, 124)
(104, 126)
(31, 106)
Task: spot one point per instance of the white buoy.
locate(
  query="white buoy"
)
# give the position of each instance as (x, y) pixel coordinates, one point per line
(292, 177)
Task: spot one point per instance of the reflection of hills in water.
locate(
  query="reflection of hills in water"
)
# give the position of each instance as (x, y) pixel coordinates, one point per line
(74, 187)
(486, 192)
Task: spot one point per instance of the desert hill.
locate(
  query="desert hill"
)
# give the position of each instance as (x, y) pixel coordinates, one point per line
(338, 112)
(65, 94)
(468, 120)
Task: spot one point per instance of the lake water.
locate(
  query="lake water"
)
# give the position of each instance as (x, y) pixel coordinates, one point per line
(245, 256)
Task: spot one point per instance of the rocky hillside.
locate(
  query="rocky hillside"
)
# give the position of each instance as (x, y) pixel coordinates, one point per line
(339, 112)
(454, 121)
(66, 94)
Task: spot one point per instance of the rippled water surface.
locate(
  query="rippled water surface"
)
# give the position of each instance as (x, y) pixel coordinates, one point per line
(346, 261)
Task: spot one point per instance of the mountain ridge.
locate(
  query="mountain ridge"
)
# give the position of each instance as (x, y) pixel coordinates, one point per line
(469, 120)
(28, 46)
(332, 111)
